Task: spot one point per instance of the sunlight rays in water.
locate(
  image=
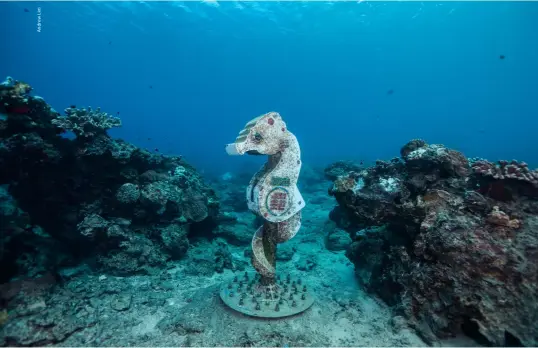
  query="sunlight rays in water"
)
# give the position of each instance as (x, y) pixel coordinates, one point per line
(242, 17)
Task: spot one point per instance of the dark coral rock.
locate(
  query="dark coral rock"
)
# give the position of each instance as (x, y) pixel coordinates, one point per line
(194, 205)
(151, 175)
(26, 113)
(157, 195)
(411, 146)
(136, 255)
(97, 197)
(128, 193)
(371, 195)
(175, 239)
(475, 202)
(437, 158)
(92, 225)
(30, 322)
(367, 252)
(25, 249)
(458, 248)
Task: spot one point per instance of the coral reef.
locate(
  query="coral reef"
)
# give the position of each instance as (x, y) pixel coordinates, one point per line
(177, 306)
(92, 197)
(494, 176)
(86, 122)
(506, 170)
(106, 244)
(451, 243)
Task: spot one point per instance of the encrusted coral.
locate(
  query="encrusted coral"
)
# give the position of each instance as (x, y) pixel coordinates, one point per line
(174, 238)
(447, 161)
(14, 89)
(411, 146)
(128, 193)
(457, 247)
(351, 182)
(25, 113)
(506, 170)
(92, 225)
(499, 217)
(86, 122)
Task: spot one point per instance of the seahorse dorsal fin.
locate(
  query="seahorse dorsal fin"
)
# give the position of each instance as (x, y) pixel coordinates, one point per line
(252, 122)
(240, 138)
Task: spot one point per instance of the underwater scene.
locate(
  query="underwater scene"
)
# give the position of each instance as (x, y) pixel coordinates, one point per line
(269, 174)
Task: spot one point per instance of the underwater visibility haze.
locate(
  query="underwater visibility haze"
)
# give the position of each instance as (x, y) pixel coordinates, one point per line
(396, 204)
(356, 80)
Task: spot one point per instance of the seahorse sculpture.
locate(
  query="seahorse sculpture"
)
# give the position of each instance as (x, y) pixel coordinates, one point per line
(272, 193)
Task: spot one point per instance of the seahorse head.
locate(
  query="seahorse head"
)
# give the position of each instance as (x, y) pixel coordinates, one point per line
(264, 135)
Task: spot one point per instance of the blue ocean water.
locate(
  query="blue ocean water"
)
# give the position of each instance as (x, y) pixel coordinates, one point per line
(102, 244)
(353, 80)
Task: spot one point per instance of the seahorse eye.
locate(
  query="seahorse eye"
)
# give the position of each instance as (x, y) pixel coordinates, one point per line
(258, 137)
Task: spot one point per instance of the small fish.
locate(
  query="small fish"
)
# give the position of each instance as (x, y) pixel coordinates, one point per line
(149, 138)
(73, 106)
(390, 92)
(156, 150)
(502, 56)
(150, 87)
(118, 113)
(362, 163)
(26, 10)
(110, 42)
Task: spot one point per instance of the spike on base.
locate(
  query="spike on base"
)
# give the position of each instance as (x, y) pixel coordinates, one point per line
(282, 299)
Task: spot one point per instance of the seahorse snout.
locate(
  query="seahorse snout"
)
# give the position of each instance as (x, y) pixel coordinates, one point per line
(231, 149)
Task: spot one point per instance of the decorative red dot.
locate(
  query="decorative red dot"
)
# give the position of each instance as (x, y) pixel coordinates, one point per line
(265, 214)
(283, 129)
(270, 121)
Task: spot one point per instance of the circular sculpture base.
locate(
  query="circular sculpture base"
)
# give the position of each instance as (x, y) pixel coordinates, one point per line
(288, 296)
